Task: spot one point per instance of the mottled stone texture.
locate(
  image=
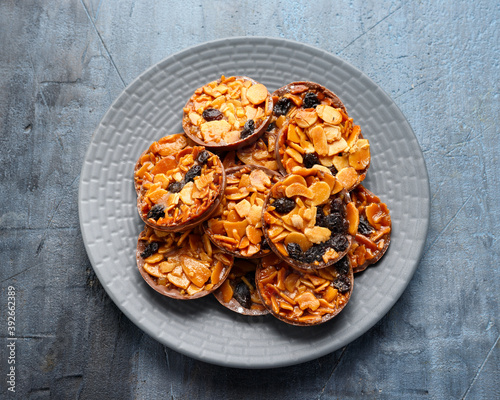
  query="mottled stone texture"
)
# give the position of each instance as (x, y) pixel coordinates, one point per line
(62, 63)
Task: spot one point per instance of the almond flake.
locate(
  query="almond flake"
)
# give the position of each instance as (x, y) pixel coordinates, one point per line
(242, 208)
(317, 234)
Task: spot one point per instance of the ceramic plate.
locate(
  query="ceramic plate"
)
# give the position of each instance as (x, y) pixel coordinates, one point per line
(151, 107)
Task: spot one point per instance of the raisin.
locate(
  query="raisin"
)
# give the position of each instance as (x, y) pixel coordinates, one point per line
(342, 266)
(175, 187)
(242, 294)
(156, 212)
(333, 170)
(150, 249)
(337, 206)
(342, 284)
(310, 159)
(203, 157)
(364, 226)
(336, 223)
(264, 245)
(284, 205)
(315, 253)
(320, 217)
(310, 100)
(282, 106)
(212, 114)
(248, 129)
(193, 172)
(338, 242)
(294, 251)
(271, 127)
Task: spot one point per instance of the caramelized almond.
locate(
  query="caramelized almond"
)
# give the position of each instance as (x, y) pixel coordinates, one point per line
(321, 192)
(296, 189)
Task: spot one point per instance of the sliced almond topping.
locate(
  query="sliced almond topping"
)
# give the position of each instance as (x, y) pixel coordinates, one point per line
(332, 133)
(321, 191)
(292, 134)
(337, 147)
(330, 254)
(231, 136)
(329, 114)
(250, 112)
(347, 177)
(156, 195)
(212, 131)
(305, 119)
(294, 179)
(239, 227)
(254, 214)
(337, 188)
(318, 137)
(359, 159)
(297, 221)
(195, 270)
(317, 234)
(256, 94)
(259, 180)
(296, 147)
(341, 162)
(354, 135)
(296, 189)
(243, 208)
(166, 267)
(181, 281)
(299, 238)
(186, 192)
(238, 195)
(153, 270)
(204, 180)
(374, 214)
(195, 118)
(294, 154)
(352, 215)
(327, 161)
(307, 300)
(254, 235)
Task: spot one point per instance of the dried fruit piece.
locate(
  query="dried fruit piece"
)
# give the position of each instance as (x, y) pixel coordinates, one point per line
(212, 114)
(156, 212)
(310, 100)
(203, 157)
(248, 129)
(282, 106)
(283, 205)
(174, 187)
(150, 249)
(310, 159)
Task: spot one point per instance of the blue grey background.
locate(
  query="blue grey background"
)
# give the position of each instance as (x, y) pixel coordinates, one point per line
(62, 63)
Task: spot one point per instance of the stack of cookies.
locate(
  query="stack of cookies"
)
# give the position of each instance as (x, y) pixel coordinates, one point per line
(259, 201)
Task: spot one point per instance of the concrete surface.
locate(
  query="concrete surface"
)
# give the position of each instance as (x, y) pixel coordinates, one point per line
(62, 63)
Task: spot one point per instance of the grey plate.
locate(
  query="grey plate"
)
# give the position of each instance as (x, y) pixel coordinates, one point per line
(151, 107)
